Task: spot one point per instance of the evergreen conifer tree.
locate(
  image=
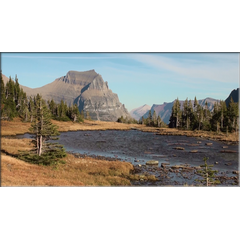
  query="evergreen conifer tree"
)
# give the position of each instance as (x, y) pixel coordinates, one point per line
(176, 114)
(232, 115)
(207, 174)
(190, 114)
(159, 121)
(149, 119)
(31, 108)
(154, 118)
(2, 92)
(185, 117)
(44, 152)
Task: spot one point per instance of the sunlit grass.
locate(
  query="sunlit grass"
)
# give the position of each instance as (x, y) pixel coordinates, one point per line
(76, 172)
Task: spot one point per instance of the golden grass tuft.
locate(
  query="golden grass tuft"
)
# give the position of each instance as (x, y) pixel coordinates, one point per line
(14, 127)
(12, 146)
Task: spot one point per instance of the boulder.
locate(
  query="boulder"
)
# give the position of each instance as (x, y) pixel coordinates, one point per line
(208, 144)
(228, 151)
(152, 162)
(179, 148)
(194, 151)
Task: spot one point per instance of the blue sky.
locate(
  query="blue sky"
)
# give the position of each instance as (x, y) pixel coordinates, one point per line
(137, 78)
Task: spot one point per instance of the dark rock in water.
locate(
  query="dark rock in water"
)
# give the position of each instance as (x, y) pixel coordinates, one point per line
(179, 148)
(208, 144)
(194, 151)
(228, 151)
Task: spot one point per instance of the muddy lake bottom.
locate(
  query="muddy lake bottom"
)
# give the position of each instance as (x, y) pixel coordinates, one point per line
(178, 156)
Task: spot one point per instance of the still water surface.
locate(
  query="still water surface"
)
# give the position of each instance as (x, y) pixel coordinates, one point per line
(139, 147)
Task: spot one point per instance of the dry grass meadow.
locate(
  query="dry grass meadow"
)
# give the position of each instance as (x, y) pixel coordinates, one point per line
(77, 171)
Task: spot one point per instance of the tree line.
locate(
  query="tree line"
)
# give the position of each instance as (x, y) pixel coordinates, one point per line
(152, 120)
(15, 103)
(194, 116)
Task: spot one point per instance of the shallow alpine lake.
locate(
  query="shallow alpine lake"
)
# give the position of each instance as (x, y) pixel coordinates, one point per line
(139, 147)
(177, 164)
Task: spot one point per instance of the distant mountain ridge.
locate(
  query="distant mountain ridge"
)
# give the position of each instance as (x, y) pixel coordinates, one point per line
(87, 89)
(137, 113)
(165, 110)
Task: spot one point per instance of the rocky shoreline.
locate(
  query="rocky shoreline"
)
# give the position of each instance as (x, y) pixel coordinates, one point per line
(181, 175)
(166, 175)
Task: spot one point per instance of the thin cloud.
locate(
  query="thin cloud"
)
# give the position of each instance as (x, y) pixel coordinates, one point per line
(56, 57)
(211, 69)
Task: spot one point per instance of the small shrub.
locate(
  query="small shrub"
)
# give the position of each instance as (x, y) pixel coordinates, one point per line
(207, 174)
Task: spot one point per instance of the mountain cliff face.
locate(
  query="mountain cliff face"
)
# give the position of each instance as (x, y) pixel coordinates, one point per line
(165, 110)
(235, 96)
(100, 101)
(137, 113)
(88, 90)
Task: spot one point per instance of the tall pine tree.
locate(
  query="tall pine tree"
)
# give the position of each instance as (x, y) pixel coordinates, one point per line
(44, 152)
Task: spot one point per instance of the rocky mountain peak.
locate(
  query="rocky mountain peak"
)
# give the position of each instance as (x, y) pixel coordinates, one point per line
(79, 78)
(98, 84)
(88, 90)
(234, 95)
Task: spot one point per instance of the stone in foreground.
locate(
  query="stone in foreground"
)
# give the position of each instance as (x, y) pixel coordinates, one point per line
(152, 162)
